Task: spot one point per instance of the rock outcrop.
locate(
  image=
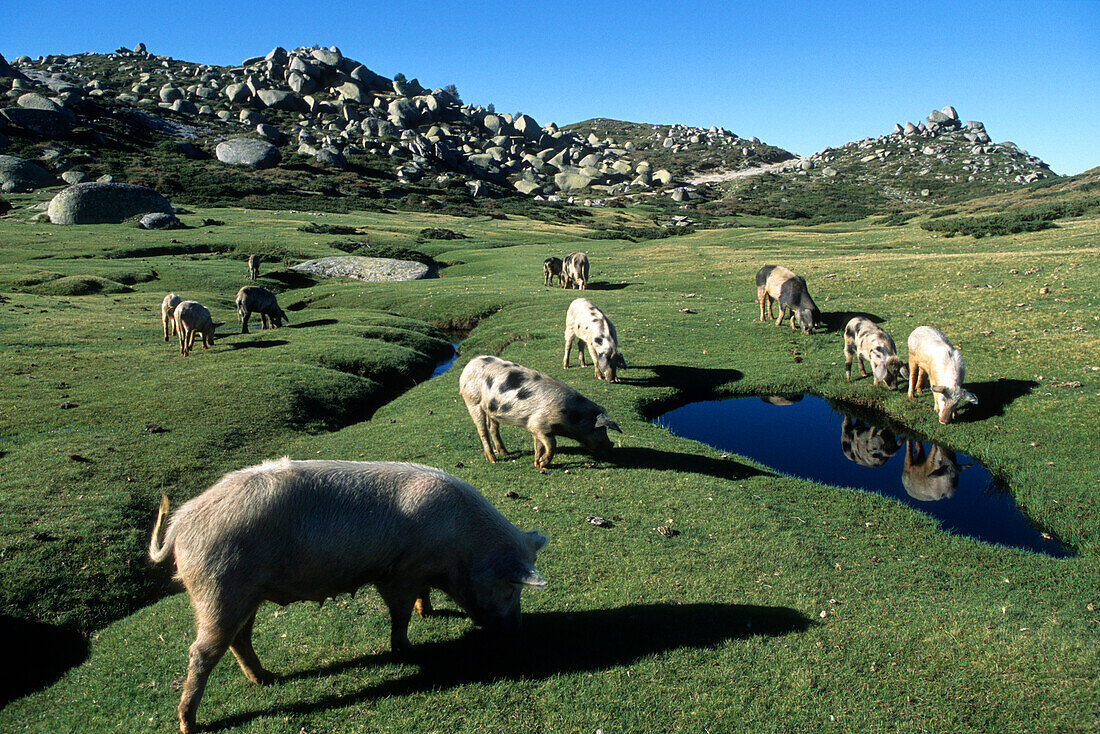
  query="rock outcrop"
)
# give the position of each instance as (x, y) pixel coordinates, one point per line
(101, 203)
(17, 174)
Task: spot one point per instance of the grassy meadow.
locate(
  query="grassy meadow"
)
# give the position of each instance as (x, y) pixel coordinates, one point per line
(781, 605)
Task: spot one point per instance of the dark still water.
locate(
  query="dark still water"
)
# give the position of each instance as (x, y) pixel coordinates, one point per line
(445, 364)
(804, 436)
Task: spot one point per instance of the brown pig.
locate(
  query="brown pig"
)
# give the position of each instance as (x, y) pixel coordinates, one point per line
(497, 391)
(551, 268)
(253, 267)
(932, 475)
(590, 327)
(932, 358)
(257, 299)
(864, 340)
(287, 531)
(191, 317)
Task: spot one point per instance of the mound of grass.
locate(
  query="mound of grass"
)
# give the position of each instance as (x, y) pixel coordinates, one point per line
(440, 233)
(320, 228)
(1031, 219)
(78, 285)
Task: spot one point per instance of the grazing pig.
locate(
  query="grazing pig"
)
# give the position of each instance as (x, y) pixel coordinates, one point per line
(551, 268)
(575, 270)
(930, 476)
(776, 283)
(864, 340)
(590, 326)
(865, 444)
(257, 299)
(253, 267)
(933, 358)
(288, 531)
(167, 307)
(496, 391)
(192, 317)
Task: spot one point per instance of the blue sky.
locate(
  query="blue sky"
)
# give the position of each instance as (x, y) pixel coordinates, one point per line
(802, 76)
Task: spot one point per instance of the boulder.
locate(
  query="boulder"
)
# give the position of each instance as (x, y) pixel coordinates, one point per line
(248, 153)
(36, 101)
(159, 220)
(9, 72)
(572, 179)
(328, 56)
(404, 113)
(74, 177)
(353, 91)
(278, 99)
(373, 81)
(99, 203)
(17, 174)
(300, 83)
(371, 269)
(331, 157)
(238, 93)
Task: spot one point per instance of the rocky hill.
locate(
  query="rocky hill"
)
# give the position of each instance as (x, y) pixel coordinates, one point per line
(312, 122)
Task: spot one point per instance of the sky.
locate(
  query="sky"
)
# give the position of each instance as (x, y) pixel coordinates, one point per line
(802, 76)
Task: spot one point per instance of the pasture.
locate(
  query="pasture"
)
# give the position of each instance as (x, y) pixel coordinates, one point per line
(778, 605)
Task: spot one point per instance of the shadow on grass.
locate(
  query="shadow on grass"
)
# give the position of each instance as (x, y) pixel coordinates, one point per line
(39, 655)
(314, 322)
(679, 377)
(993, 397)
(641, 457)
(550, 644)
(605, 286)
(260, 344)
(837, 320)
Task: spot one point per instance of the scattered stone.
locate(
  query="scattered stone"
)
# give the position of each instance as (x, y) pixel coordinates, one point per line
(600, 522)
(160, 220)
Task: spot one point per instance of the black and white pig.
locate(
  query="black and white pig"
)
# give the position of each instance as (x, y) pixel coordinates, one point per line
(777, 283)
(551, 268)
(590, 326)
(864, 340)
(497, 391)
(288, 531)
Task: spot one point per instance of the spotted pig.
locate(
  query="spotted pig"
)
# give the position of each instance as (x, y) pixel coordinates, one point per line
(591, 327)
(497, 391)
(864, 340)
(575, 270)
(865, 444)
(777, 283)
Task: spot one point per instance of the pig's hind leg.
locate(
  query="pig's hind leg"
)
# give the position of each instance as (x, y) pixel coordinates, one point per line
(246, 656)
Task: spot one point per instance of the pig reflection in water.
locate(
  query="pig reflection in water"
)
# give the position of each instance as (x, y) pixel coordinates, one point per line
(930, 475)
(865, 444)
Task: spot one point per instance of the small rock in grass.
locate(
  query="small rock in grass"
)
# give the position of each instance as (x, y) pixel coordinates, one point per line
(600, 522)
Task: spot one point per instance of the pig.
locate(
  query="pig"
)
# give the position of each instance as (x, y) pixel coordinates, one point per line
(777, 283)
(575, 270)
(932, 475)
(167, 307)
(865, 444)
(497, 391)
(590, 326)
(864, 340)
(253, 267)
(192, 317)
(551, 268)
(933, 358)
(287, 531)
(257, 299)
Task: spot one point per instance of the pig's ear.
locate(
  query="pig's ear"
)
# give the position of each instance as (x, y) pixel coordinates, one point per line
(969, 397)
(536, 540)
(603, 421)
(531, 578)
(941, 390)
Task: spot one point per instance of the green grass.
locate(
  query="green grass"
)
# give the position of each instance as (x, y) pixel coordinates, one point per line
(719, 628)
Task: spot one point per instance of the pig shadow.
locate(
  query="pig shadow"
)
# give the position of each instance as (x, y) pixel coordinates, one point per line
(47, 652)
(315, 322)
(695, 380)
(260, 344)
(641, 457)
(550, 644)
(605, 286)
(837, 320)
(993, 397)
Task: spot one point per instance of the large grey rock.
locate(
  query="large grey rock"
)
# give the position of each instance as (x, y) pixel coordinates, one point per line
(328, 56)
(248, 153)
(238, 93)
(331, 157)
(364, 268)
(36, 101)
(404, 113)
(375, 82)
(278, 99)
(74, 177)
(99, 203)
(572, 179)
(169, 93)
(17, 174)
(300, 83)
(353, 91)
(9, 72)
(47, 123)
